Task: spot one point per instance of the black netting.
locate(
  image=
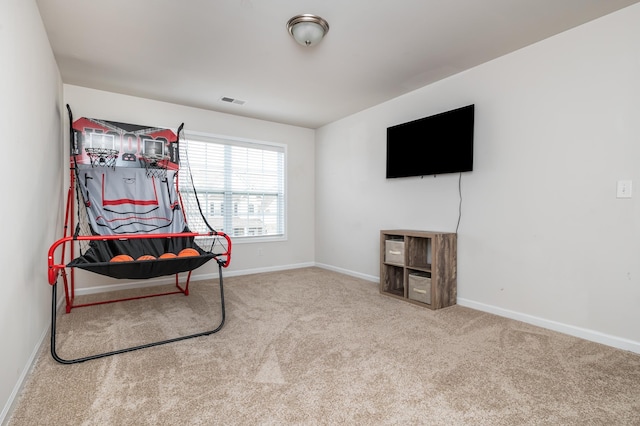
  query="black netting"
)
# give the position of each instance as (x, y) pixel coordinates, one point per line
(98, 258)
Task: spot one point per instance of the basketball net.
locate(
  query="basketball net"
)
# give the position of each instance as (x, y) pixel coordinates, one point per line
(154, 167)
(102, 157)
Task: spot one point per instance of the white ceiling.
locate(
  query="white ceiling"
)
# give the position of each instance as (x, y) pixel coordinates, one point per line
(193, 52)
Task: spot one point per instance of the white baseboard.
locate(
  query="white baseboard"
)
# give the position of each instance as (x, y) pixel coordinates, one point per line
(348, 272)
(8, 408)
(113, 287)
(194, 277)
(583, 333)
(591, 335)
(264, 270)
(81, 291)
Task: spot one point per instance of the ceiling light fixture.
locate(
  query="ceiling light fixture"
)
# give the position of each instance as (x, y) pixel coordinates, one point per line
(307, 29)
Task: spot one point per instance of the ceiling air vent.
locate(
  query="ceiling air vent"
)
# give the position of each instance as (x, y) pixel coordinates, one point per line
(232, 100)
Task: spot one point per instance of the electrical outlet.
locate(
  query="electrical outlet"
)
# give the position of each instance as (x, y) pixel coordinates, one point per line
(624, 189)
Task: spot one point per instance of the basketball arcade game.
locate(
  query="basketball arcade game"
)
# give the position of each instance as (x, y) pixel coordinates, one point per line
(128, 218)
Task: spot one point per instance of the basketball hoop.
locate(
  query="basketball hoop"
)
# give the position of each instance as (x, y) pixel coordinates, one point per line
(102, 157)
(154, 167)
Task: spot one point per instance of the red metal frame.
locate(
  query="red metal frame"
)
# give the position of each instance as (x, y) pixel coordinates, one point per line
(67, 241)
(59, 269)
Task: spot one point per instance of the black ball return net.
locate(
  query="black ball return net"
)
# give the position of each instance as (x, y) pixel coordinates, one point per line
(126, 219)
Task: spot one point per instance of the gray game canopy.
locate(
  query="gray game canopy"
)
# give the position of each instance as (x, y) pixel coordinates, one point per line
(126, 219)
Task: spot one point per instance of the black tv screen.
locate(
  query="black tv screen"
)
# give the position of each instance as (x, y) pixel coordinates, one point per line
(441, 143)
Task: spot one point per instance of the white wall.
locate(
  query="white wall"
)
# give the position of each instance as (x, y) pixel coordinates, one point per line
(31, 176)
(542, 236)
(297, 250)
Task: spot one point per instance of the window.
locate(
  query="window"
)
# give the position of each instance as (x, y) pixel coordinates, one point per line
(246, 175)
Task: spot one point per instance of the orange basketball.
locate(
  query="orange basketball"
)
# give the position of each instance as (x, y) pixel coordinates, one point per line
(146, 257)
(188, 252)
(122, 258)
(167, 255)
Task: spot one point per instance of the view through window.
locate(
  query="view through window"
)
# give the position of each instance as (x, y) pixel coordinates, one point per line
(237, 185)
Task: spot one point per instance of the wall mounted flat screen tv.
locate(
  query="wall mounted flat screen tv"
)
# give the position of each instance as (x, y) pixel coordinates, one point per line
(441, 143)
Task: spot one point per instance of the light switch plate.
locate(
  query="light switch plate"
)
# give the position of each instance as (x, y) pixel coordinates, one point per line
(624, 189)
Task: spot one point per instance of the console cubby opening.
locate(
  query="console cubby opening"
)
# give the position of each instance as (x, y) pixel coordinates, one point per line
(393, 280)
(419, 253)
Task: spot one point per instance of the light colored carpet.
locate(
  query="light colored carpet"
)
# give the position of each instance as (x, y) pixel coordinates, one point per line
(314, 347)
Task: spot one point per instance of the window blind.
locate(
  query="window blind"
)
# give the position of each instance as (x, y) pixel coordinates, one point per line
(237, 185)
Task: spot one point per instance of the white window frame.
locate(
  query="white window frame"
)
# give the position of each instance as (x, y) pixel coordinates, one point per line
(228, 207)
